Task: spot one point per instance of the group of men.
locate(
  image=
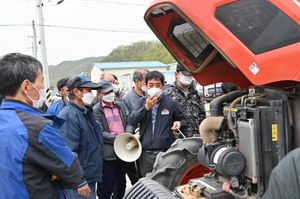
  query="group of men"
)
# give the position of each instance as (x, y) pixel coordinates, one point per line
(66, 151)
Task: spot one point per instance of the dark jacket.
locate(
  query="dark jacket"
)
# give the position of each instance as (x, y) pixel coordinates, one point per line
(191, 105)
(108, 138)
(167, 113)
(284, 182)
(31, 150)
(1, 99)
(84, 136)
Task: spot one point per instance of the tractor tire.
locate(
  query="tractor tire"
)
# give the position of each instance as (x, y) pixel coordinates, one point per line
(146, 188)
(178, 164)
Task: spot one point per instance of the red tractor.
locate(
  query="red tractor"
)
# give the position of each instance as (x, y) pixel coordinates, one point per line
(256, 45)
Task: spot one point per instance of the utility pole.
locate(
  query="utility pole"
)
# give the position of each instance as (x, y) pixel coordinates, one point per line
(43, 44)
(43, 51)
(34, 40)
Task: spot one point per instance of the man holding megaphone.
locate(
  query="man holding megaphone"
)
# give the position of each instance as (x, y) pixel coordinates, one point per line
(113, 118)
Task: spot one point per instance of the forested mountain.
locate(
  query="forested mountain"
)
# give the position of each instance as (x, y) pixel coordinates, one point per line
(138, 51)
(71, 68)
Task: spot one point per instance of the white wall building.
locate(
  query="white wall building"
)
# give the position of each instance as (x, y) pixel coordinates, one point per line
(123, 69)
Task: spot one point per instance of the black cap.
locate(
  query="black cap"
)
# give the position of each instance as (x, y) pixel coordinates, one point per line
(81, 81)
(106, 86)
(182, 69)
(62, 82)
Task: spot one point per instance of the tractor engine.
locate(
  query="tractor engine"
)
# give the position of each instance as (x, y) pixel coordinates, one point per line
(247, 134)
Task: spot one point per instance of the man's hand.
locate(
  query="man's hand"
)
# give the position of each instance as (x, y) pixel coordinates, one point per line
(84, 190)
(176, 126)
(54, 177)
(151, 101)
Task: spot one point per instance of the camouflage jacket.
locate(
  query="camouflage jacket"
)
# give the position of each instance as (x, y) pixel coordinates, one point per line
(191, 105)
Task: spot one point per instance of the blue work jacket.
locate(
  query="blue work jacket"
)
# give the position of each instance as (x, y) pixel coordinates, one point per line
(31, 151)
(84, 137)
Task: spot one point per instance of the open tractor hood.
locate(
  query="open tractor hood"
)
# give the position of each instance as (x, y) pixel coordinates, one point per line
(244, 42)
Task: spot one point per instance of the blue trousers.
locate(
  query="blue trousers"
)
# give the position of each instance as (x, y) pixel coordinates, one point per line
(113, 179)
(73, 193)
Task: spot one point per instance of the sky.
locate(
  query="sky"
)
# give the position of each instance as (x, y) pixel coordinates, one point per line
(74, 29)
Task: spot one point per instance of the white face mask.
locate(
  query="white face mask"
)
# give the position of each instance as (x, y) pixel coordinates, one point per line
(155, 91)
(109, 97)
(144, 88)
(88, 98)
(186, 80)
(42, 97)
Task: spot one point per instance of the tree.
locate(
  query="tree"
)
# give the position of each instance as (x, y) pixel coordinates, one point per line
(140, 51)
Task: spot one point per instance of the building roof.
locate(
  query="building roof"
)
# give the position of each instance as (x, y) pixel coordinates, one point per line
(123, 65)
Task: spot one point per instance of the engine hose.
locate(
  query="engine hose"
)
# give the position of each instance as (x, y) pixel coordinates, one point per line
(231, 125)
(245, 194)
(226, 188)
(216, 106)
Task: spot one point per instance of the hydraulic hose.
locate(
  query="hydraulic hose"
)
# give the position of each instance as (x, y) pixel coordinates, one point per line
(216, 105)
(231, 125)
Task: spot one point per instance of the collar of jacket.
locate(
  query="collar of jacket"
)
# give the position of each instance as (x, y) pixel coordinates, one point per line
(19, 105)
(116, 103)
(84, 109)
(104, 105)
(62, 102)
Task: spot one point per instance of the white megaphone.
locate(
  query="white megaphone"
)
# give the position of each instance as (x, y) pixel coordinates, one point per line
(128, 147)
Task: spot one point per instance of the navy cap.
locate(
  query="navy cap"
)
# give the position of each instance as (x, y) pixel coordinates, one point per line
(182, 69)
(106, 86)
(81, 81)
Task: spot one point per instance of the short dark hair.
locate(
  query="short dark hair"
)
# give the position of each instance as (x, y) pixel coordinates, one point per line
(155, 75)
(115, 77)
(14, 69)
(138, 75)
(62, 83)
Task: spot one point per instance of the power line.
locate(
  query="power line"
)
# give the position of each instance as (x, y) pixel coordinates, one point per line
(116, 2)
(81, 28)
(104, 30)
